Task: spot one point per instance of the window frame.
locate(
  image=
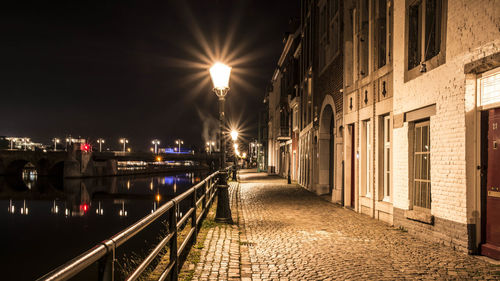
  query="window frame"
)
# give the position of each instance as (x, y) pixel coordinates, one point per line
(366, 154)
(388, 33)
(439, 58)
(416, 201)
(387, 157)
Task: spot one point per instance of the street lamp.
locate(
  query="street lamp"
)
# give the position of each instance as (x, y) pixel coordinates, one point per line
(124, 141)
(234, 137)
(56, 141)
(156, 142)
(100, 142)
(220, 78)
(179, 142)
(219, 73)
(12, 141)
(210, 144)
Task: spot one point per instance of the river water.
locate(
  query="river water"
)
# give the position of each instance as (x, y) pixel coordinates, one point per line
(46, 222)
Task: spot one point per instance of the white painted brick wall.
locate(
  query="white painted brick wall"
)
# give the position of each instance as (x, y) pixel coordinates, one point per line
(473, 32)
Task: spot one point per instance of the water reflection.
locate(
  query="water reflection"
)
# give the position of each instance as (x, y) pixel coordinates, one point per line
(63, 218)
(29, 175)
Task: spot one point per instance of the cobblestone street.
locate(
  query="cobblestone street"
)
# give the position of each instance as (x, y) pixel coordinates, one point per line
(287, 233)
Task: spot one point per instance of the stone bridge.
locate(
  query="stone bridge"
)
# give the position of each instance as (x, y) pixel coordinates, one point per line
(76, 163)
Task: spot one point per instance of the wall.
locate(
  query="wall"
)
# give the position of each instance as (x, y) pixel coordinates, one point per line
(472, 32)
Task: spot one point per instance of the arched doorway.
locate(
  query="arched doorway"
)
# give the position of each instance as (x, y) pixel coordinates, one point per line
(326, 142)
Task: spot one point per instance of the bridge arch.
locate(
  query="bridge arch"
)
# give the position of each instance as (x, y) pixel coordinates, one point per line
(22, 174)
(57, 169)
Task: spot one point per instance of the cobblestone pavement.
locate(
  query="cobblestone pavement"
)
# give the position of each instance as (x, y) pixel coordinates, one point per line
(288, 233)
(220, 257)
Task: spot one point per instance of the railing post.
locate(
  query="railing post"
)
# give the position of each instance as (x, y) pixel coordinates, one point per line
(193, 217)
(173, 242)
(106, 270)
(204, 201)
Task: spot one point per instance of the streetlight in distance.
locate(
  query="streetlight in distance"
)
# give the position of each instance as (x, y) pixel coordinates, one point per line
(124, 141)
(210, 144)
(179, 142)
(156, 142)
(234, 137)
(220, 73)
(56, 141)
(100, 142)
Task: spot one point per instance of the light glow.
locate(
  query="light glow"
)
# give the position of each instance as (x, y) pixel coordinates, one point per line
(234, 135)
(220, 75)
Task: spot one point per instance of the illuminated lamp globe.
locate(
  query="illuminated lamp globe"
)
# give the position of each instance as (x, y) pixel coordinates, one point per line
(220, 77)
(234, 135)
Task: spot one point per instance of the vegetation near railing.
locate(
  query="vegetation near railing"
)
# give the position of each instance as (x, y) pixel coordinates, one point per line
(199, 198)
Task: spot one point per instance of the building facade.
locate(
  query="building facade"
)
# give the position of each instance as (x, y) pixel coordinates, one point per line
(398, 106)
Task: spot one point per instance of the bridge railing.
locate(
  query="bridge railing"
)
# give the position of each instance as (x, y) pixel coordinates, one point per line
(199, 197)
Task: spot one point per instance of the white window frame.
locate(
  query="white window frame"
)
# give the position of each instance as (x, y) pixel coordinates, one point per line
(387, 158)
(368, 157)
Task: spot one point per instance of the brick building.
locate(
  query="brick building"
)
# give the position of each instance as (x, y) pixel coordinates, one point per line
(368, 104)
(444, 53)
(398, 105)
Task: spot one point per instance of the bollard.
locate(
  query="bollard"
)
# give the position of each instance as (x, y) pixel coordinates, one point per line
(223, 213)
(235, 170)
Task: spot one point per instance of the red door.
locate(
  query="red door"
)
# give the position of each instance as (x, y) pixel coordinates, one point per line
(491, 247)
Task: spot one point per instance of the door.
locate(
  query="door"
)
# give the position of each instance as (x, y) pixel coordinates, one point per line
(491, 247)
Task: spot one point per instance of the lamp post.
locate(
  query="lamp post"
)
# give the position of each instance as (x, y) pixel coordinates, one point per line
(124, 141)
(100, 142)
(210, 144)
(220, 78)
(156, 142)
(56, 141)
(179, 142)
(12, 141)
(234, 137)
(219, 73)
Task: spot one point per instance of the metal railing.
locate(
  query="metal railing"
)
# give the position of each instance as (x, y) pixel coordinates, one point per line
(104, 253)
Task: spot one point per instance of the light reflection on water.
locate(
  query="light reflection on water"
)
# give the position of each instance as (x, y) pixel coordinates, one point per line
(46, 222)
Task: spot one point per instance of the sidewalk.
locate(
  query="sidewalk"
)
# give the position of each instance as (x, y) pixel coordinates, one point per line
(283, 232)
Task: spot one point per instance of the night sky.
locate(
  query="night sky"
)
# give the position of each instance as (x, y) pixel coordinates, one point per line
(135, 69)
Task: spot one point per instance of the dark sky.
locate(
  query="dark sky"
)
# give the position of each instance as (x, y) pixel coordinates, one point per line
(135, 69)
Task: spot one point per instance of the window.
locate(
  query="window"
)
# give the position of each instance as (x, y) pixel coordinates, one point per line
(366, 161)
(334, 35)
(364, 38)
(387, 158)
(383, 8)
(424, 31)
(422, 166)
(322, 37)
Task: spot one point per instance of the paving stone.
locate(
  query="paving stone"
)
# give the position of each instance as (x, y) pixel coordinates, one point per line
(284, 232)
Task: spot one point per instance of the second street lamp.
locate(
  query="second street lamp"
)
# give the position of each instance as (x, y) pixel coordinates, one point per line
(234, 137)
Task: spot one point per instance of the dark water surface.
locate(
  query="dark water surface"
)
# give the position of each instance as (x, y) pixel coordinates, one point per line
(46, 222)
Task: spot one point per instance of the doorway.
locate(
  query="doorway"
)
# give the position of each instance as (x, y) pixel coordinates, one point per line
(351, 162)
(331, 160)
(491, 185)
